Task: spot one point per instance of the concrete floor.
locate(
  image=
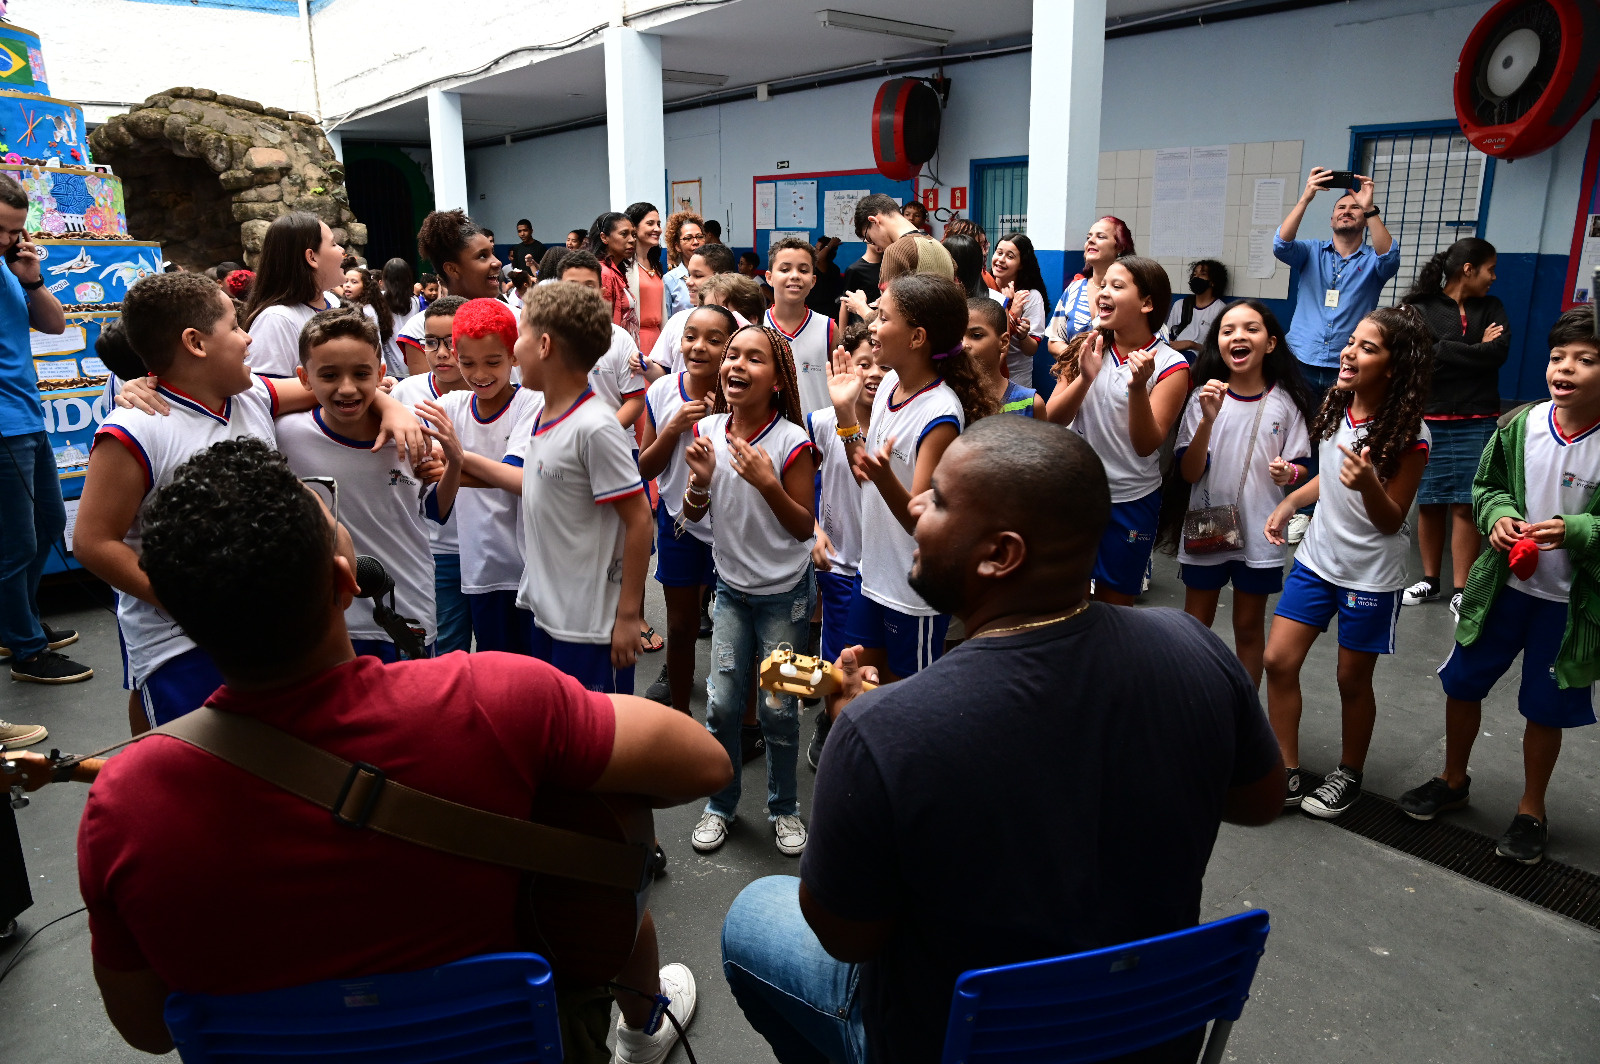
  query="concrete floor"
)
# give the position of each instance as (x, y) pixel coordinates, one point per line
(1374, 956)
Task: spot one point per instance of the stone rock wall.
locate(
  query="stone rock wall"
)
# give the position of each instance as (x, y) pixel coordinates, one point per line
(262, 162)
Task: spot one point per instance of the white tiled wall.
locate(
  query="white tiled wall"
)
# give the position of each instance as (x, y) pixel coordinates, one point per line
(1126, 189)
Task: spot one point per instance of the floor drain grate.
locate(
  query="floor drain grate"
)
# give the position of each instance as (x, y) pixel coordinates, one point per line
(1560, 888)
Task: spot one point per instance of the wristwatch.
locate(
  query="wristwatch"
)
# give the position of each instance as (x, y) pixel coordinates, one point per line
(1371, 212)
(34, 287)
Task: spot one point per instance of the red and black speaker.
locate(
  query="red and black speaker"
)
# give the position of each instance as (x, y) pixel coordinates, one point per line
(905, 127)
(1528, 72)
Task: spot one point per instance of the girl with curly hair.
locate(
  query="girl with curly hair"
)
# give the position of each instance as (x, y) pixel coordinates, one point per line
(1372, 448)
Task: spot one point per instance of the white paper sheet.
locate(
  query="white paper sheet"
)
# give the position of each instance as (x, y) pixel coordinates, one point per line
(797, 205)
(1266, 205)
(65, 343)
(1208, 201)
(1169, 210)
(779, 234)
(1261, 263)
(1588, 259)
(766, 205)
(72, 520)
(839, 213)
(56, 369)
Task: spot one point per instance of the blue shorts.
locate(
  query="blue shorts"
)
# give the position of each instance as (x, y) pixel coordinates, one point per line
(913, 643)
(384, 650)
(588, 663)
(450, 605)
(499, 624)
(181, 685)
(1534, 626)
(836, 591)
(681, 559)
(1367, 619)
(1216, 577)
(1126, 545)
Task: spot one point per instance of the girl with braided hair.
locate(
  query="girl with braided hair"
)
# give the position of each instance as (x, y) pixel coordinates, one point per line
(1372, 448)
(752, 470)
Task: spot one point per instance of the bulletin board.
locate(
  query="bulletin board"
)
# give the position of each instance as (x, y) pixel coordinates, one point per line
(1586, 230)
(815, 205)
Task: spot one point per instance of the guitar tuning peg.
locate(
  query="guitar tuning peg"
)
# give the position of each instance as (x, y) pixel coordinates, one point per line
(787, 669)
(816, 677)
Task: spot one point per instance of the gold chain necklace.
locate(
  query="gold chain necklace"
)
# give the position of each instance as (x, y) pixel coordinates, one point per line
(1079, 608)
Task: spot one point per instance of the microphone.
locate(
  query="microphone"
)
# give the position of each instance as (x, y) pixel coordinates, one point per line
(374, 582)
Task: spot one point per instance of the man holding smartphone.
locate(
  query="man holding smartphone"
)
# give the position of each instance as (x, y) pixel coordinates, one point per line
(32, 516)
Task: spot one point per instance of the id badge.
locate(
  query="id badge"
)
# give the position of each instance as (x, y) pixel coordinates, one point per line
(1331, 298)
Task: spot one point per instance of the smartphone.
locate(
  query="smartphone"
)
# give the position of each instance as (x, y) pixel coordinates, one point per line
(1342, 179)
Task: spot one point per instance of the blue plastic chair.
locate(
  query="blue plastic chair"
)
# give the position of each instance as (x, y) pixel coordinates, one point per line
(498, 1007)
(1107, 1002)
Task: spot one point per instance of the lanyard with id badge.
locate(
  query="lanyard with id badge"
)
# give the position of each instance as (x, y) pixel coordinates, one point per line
(1330, 298)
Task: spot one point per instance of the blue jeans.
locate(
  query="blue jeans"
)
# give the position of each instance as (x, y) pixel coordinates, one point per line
(744, 630)
(32, 518)
(453, 617)
(802, 1001)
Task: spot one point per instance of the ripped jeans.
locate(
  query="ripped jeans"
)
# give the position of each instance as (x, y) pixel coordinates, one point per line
(744, 630)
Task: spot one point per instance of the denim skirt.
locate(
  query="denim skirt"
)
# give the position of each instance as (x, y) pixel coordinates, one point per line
(1453, 460)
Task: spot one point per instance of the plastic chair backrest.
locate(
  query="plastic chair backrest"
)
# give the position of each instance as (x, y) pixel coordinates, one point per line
(1106, 1002)
(491, 1008)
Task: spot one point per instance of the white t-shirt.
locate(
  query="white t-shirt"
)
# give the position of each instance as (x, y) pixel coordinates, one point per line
(1282, 435)
(490, 520)
(1342, 545)
(668, 349)
(886, 546)
(1199, 326)
(383, 506)
(753, 552)
(1560, 475)
(661, 402)
(393, 361)
(574, 466)
(150, 638)
(838, 493)
(1019, 366)
(443, 539)
(412, 331)
(616, 378)
(1103, 421)
(275, 338)
(812, 346)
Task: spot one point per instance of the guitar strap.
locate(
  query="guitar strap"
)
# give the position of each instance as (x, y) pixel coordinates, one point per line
(361, 796)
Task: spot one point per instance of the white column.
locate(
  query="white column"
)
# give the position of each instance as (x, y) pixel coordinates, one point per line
(635, 138)
(1069, 41)
(449, 150)
(336, 142)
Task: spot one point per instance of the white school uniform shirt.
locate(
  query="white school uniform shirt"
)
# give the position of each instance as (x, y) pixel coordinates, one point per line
(812, 346)
(575, 466)
(382, 505)
(150, 637)
(668, 350)
(661, 402)
(838, 493)
(393, 361)
(885, 546)
(412, 331)
(616, 378)
(490, 520)
(1342, 545)
(1019, 366)
(1103, 422)
(443, 539)
(275, 337)
(1282, 435)
(1560, 476)
(753, 552)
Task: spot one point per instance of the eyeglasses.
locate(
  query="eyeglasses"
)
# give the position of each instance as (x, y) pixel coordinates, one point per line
(432, 344)
(332, 488)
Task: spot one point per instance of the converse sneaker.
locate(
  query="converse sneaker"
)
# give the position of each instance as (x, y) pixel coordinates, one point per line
(791, 831)
(1297, 528)
(637, 1047)
(1432, 798)
(1298, 785)
(49, 667)
(1455, 605)
(1524, 840)
(710, 833)
(661, 690)
(818, 737)
(13, 736)
(1337, 794)
(1423, 590)
(56, 637)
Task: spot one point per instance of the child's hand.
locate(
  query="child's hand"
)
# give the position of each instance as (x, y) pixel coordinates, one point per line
(820, 551)
(1210, 399)
(431, 469)
(1506, 531)
(856, 303)
(844, 386)
(1357, 472)
(405, 429)
(753, 463)
(684, 418)
(1141, 364)
(1277, 522)
(386, 385)
(1550, 535)
(142, 395)
(1091, 357)
(875, 467)
(625, 641)
(441, 428)
(1284, 472)
(702, 459)
(1493, 332)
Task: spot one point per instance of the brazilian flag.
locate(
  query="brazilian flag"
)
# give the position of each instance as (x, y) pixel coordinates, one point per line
(14, 67)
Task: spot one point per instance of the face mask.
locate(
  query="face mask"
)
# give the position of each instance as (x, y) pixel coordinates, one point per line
(1198, 285)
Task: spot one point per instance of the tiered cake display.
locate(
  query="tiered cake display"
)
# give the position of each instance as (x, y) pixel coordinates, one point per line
(77, 218)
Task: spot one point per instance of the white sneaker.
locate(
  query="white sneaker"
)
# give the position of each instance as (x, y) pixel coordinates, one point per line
(636, 1047)
(710, 833)
(1297, 528)
(1455, 605)
(1419, 592)
(791, 834)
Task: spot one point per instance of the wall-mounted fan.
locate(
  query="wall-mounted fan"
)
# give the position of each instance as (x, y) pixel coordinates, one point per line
(1528, 72)
(905, 127)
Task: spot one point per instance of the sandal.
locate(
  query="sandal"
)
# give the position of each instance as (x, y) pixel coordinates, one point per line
(649, 642)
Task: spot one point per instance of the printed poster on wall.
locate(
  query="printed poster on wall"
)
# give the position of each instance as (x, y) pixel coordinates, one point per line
(797, 205)
(766, 205)
(839, 213)
(1585, 254)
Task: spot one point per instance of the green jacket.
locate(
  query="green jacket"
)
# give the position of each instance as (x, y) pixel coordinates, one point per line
(1499, 490)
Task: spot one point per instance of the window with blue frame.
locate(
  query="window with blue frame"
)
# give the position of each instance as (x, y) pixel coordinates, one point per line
(999, 191)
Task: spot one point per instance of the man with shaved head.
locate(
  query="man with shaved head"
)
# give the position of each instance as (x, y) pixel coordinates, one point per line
(1052, 785)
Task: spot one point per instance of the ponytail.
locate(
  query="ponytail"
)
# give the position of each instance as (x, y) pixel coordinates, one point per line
(1446, 266)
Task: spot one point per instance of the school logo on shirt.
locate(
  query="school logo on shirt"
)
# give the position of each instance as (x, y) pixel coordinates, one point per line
(1572, 480)
(554, 474)
(397, 478)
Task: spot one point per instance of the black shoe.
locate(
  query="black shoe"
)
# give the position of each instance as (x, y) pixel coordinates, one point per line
(658, 863)
(1432, 798)
(705, 620)
(1336, 794)
(49, 667)
(1524, 840)
(753, 744)
(661, 690)
(56, 637)
(818, 737)
(1298, 785)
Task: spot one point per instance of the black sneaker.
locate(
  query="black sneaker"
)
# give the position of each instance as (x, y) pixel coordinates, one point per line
(705, 619)
(1336, 794)
(660, 691)
(1524, 840)
(49, 667)
(1432, 798)
(818, 737)
(752, 743)
(1297, 786)
(56, 637)
(658, 863)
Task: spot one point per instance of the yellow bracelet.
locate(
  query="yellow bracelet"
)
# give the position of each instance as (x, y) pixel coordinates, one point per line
(846, 431)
